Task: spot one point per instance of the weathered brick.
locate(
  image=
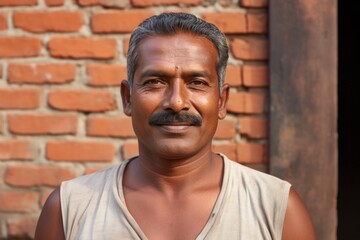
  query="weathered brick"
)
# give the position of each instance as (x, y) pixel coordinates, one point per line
(82, 100)
(33, 124)
(105, 3)
(252, 153)
(130, 149)
(41, 73)
(105, 74)
(149, 3)
(80, 151)
(254, 3)
(28, 175)
(257, 22)
(19, 98)
(18, 201)
(16, 150)
(117, 21)
(226, 129)
(19, 47)
(48, 21)
(109, 127)
(13, 3)
(249, 48)
(21, 227)
(227, 22)
(255, 76)
(254, 127)
(3, 21)
(81, 47)
(229, 149)
(233, 75)
(246, 102)
(53, 3)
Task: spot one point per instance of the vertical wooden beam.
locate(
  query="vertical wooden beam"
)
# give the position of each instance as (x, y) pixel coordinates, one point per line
(303, 104)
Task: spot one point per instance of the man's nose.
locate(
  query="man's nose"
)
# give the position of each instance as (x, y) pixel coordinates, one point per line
(177, 98)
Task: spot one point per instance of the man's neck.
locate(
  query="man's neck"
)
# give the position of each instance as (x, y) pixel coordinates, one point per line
(175, 177)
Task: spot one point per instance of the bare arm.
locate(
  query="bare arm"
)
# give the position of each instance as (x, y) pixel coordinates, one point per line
(297, 223)
(50, 225)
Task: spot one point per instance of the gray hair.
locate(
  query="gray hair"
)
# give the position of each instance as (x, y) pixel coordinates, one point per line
(166, 24)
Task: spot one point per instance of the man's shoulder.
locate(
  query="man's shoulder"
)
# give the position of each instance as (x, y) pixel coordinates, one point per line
(246, 173)
(93, 181)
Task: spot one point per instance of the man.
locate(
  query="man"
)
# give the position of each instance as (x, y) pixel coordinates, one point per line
(177, 188)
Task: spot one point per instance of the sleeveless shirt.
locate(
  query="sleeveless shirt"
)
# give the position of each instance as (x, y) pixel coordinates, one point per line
(251, 205)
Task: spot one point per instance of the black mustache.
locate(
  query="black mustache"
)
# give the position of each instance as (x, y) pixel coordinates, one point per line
(169, 117)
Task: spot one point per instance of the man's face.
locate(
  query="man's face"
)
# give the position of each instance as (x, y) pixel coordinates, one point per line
(175, 102)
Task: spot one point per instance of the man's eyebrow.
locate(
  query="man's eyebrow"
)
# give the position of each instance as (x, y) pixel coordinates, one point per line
(161, 73)
(152, 72)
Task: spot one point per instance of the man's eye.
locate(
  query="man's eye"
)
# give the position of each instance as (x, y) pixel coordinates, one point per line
(198, 83)
(154, 82)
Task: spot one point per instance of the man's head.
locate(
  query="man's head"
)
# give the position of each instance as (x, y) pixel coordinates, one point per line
(167, 24)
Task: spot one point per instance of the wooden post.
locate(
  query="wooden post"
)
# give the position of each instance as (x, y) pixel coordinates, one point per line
(303, 104)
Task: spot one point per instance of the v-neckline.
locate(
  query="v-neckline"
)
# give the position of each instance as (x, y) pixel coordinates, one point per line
(211, 219)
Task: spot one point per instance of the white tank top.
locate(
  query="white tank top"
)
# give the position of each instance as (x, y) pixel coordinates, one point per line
(251, 206)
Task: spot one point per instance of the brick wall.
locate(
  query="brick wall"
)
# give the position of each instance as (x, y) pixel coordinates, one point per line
(61, 64)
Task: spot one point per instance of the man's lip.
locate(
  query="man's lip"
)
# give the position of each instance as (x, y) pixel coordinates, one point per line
(174, 124)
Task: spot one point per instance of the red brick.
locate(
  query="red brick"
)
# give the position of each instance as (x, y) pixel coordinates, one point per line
(21, 227)
(109, 127)
(249, 49)
(255, 76)
(226, 129)
(80, 151)
(19, 47)
(18, 201)
(44, 196)
(227, 22)
(19, 98)
(81, 47)
(229, 149)
(246, 102)
(106, 75)
(105, 3)
(130, 149)
(252, 153)
(126, 45)
(41, 73)
(3, 21)
(225, 3)
(82, 100)
(1, 124)
(48, 21)
(253, 127)
(32, 124)
(257, 23)
(233, 75)
(16, 150)
(93, 169)
(11, 3)
(254, 3)
(53, 3)
(149, 3)
(29, 175)
(117, 21)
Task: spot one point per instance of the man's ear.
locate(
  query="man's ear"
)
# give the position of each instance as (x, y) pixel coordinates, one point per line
(222, 104)
(126, 97)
